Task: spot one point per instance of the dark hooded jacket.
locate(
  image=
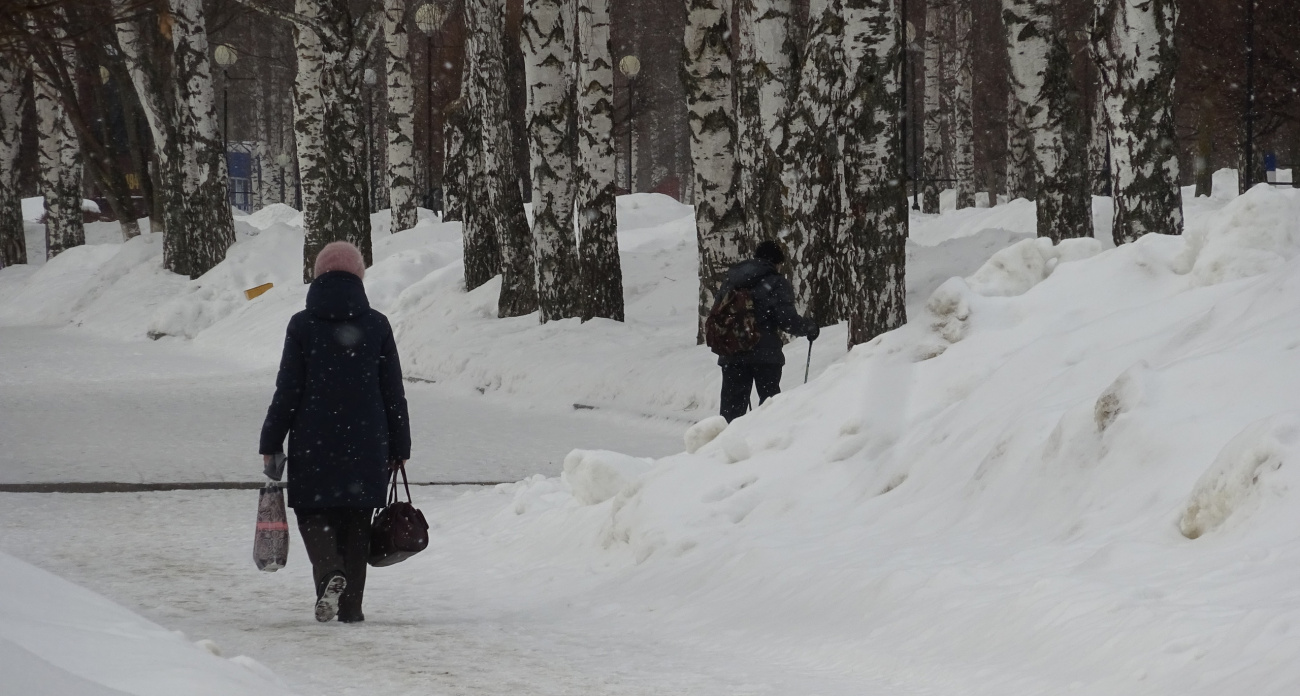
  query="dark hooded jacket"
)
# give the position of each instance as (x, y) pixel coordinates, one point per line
(339, 398)
(774, 309)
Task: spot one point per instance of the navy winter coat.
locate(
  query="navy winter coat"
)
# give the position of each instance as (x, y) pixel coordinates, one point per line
(339, 397)
(774, 309)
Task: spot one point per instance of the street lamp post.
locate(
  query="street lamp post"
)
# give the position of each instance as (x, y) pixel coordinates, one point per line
(226, 57)
(1248, 176)
(630, 66)
(429, 19)
(369, 77)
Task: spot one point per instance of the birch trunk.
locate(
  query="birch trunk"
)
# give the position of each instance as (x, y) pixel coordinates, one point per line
(936, 17)
(13, 98)
(963, 155)
(455, 163)
(331, 50)
(485, 31)
(1205, 151)
(167, 54)
(719, 219)
(602, 271)
(876, 206)
(1134, 44)
(1021, 181)
(1099, 147)
(1041, 79)
(61, 167)
(811, 167)
(401, 118)
(548, 48)
(764, 72)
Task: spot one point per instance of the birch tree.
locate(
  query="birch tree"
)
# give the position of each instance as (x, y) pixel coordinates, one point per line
(1099, 147)
(1021, 179)
(1134, 44)
(764, 75)
(876, 205)
(333, 45)
(811, 167)
(504, 211)
(963, 116)
(401, 117)
(601, 269)
(937, 16)
(13, 98)
(719, 218)
(548, 47)
(166, 50)
(454, 162)
(60, 163)
(1042, 81)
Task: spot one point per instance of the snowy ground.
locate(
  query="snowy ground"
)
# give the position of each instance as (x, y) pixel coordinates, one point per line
(1067, 474)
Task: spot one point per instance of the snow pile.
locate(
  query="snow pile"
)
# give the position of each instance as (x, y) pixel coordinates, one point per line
(58, 639)
(34, 208)
(1092, 488)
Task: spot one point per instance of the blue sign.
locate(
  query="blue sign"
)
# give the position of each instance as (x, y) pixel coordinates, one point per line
(239, 165)
(1270, 161)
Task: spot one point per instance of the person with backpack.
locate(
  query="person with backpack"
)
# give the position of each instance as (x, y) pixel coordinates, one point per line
(754, 304)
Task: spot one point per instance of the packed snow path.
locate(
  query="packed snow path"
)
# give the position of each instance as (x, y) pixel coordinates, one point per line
(81, 408)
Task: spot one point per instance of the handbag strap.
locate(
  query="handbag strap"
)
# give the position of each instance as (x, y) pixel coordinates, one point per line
(392, 486)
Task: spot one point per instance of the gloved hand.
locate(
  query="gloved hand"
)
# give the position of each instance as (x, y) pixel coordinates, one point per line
(814, 332)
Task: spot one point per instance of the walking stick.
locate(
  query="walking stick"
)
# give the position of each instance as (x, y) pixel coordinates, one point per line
(809, 363)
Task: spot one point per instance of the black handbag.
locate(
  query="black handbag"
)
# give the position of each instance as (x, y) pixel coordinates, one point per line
(398, 531)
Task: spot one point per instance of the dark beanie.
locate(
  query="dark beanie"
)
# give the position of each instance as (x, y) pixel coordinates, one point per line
(770, 252)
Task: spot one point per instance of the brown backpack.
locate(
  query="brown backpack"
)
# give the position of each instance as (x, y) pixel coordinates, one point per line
(732, 326)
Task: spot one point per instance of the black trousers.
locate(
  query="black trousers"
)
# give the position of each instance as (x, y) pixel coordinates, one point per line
(737, 382)
(338, 541)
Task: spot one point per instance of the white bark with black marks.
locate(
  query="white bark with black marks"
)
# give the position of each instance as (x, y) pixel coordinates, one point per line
(937, 17)
(963, 117)
(1134, 45)
(547, 38)
(401, 118)
(1043, 83)
(60, 165)
(811, 166)
(601, 269)
(1021, 181)
(719, 218)
(764, 76)
(875, 211)
(167, 54)
(503, 211)
(13, 98)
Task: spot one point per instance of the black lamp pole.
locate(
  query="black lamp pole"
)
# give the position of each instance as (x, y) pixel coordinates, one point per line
(631, 81)
(428, 115)
(1249, 174)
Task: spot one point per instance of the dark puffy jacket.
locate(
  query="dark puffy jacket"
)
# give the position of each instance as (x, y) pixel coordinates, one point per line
(774, 306)
(340, 399)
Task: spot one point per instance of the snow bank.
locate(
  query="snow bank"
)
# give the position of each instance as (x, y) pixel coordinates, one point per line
(58, 639)
(1086, 490)
(34, 208)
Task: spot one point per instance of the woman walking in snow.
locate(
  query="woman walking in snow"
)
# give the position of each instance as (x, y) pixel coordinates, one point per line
(339, 398)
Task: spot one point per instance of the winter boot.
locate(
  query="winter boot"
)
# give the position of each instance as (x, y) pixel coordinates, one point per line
(327, 606)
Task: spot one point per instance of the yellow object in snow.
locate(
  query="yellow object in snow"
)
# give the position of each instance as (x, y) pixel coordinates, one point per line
(257, 291)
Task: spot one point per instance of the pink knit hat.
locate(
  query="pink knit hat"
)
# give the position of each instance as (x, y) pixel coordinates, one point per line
(340, 256)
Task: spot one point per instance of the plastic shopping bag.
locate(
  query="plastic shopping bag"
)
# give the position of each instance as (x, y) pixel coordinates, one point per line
(271, 542)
